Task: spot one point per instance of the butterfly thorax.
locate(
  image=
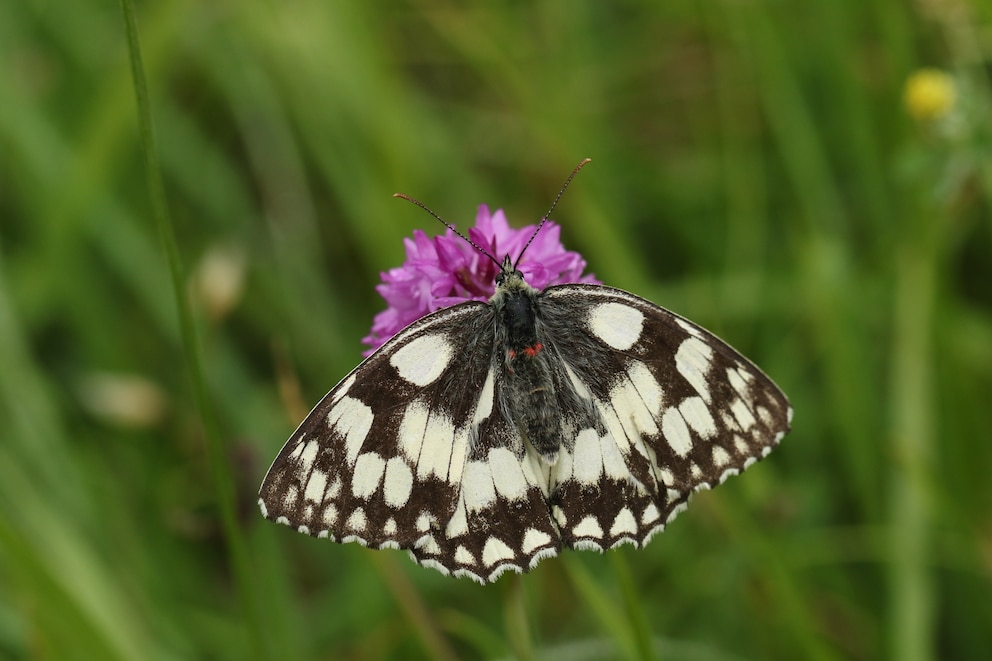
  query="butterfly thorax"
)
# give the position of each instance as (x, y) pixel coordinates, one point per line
(529, 386)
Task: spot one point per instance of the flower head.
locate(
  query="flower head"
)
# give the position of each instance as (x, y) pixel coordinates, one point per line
(446, 270)
(929, 94)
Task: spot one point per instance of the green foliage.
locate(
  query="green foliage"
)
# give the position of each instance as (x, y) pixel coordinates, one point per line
(757, 166)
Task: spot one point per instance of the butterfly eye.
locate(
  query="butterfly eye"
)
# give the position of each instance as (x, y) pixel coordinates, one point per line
(503, 275)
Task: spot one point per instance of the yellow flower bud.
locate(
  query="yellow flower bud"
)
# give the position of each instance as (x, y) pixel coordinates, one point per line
(929, 94)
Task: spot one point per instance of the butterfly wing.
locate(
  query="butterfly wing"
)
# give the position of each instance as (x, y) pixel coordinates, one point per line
(413, 450)
(679, 411)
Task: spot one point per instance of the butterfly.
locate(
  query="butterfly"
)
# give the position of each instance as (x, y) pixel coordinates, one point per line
(488, 436)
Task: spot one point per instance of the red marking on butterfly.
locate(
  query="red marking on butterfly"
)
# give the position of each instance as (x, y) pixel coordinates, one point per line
(534, 350)
(530, 352)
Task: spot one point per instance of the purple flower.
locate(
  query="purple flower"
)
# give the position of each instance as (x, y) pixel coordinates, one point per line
(446, 270)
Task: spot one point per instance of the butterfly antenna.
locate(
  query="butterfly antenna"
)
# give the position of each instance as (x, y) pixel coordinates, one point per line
(553, 205)
(448, 225)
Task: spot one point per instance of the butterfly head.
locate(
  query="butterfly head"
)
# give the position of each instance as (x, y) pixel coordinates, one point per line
(508, 273)
(510, 282)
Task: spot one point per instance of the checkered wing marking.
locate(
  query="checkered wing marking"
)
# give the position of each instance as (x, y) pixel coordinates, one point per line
(680, 411)
(413, 450)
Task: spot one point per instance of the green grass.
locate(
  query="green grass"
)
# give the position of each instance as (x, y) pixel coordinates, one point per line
(754, 168)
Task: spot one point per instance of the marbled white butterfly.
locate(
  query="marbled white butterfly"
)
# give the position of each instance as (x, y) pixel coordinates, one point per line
(486, 437)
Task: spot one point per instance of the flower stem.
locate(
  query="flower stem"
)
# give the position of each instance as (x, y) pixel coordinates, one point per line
(911, 590)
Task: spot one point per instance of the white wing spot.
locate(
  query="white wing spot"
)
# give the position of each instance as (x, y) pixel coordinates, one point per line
(357, 520)
(335, 489)
(423, 359)
(693, 362)
(720, 456)
(368, 473)
(563, 467)
(495, 551)
(535, 539)
(675, 431)
(632, 413)
(316, 486)
(342, 388)
(410, 436)
(743, 414)
(390, 527)
(484, 408)
(666, 477)
(588, 527)
(477, 486)
(292, 495)
(429, 545)
(650, 515)
(458, 523)
(737, 381)
(624, 523)
(697, 415)
(398, 483)
(617, 324)
(463, 556)
(352, 419)
(459, 450)
(646, 385)
(588, 457)
(507, 474)
(688, 327)
(424, 521)
(307, 456)
(295, 454)
(330, 515)
(613, 461)
(436, 446)
(765, 415)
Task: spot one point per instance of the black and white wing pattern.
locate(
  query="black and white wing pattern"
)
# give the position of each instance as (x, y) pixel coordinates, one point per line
(486, 437)
(680, 411)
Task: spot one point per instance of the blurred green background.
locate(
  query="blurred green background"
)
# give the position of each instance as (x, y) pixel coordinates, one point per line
(793, 176)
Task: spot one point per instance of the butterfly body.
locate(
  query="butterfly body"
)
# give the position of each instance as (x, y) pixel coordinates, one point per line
(486, 437)
(530, 387)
